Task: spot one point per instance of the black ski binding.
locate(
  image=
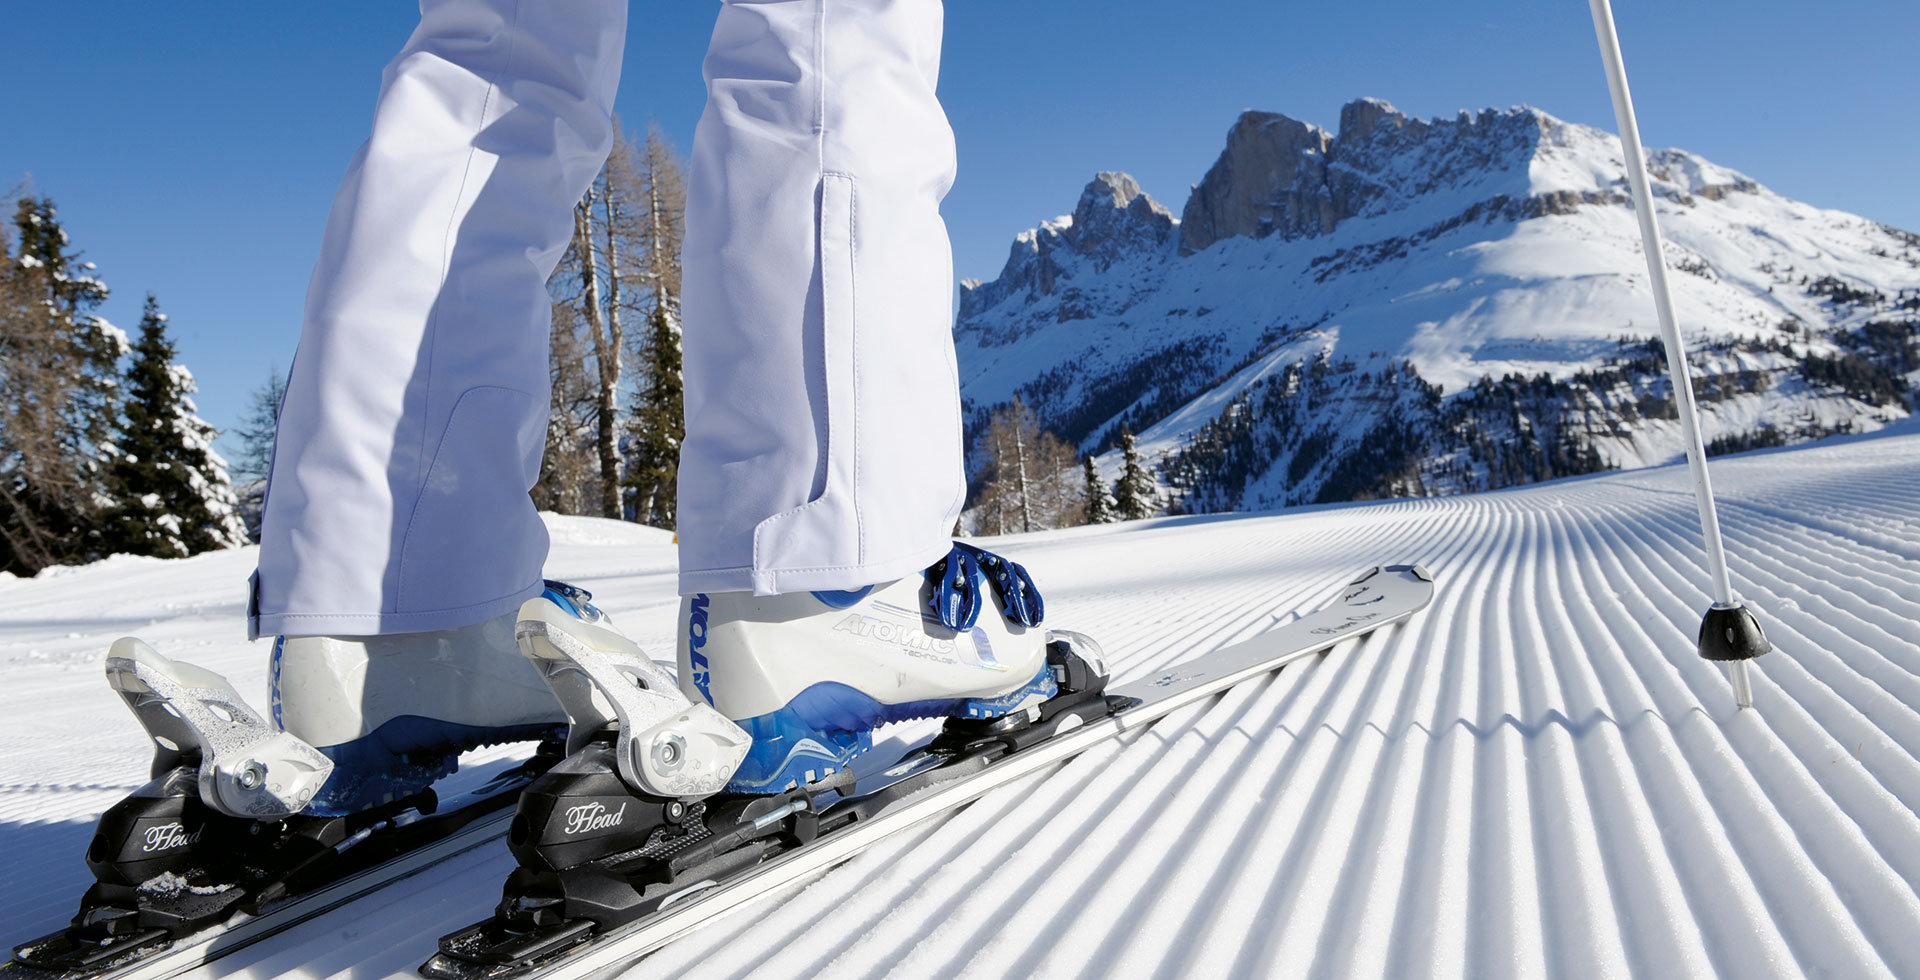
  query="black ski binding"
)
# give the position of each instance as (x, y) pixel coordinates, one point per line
(595, 853)
(167, 864)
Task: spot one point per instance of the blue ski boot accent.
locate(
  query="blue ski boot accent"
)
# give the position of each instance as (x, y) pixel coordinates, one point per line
(405, 756)
(830, 724)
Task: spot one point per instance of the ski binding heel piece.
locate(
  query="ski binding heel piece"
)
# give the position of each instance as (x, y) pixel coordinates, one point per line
(666, 745)
(247, 768)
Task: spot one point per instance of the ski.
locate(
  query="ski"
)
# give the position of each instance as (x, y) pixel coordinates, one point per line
(591, 896)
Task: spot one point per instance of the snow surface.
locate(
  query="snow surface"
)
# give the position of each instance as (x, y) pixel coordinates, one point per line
(1535, 777)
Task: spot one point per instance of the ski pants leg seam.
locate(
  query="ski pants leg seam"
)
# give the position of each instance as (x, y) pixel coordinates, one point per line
(431, 341)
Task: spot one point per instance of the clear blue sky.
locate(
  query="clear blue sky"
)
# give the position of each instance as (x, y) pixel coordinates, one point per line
(193, 147)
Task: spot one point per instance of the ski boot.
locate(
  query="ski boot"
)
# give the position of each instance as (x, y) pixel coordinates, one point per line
(810, 675)
(662, 795)
(242, 814)
(393, 713)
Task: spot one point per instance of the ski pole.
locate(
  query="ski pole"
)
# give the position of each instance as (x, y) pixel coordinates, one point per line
(1729, 633)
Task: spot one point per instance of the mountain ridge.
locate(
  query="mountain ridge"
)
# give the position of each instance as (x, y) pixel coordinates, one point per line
(1492, 258)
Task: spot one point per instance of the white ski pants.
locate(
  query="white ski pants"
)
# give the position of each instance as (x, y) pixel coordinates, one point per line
(823, 422)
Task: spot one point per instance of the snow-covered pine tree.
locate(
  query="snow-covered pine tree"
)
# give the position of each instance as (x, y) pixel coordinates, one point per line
(57, 384)
(170, 492)
(1100, 508)
(1135, 495)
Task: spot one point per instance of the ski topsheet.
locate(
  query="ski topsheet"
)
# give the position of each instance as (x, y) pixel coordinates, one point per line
(1381, 596)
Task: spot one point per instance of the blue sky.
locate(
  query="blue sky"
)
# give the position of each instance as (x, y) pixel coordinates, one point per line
(193, 148)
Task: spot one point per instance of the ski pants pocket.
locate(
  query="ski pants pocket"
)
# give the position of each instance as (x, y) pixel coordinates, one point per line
(473, 534)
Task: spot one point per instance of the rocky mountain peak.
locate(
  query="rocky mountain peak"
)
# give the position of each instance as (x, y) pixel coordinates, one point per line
(1116, 217)
(1109, 190)
(1113, 220)
(1361, 117)
(1269, 180)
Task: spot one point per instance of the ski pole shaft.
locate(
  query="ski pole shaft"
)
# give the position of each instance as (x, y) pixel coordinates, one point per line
(1677, 367)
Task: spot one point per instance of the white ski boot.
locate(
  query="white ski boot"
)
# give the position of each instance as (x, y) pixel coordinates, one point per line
(395, 712)
(810, 675)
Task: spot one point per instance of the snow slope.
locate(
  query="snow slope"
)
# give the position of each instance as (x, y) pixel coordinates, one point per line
(1535, 777)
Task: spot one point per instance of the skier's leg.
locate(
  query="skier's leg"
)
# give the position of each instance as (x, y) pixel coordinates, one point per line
(399, 540)
(415, 415)
(823, 411)
(823, 424)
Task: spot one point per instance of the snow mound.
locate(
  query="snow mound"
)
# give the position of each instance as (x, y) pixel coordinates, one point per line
(589, 531)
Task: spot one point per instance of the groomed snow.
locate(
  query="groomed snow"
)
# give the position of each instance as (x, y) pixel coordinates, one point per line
(1535, 777)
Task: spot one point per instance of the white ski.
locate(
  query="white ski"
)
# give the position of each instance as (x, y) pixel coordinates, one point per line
(1381, 596)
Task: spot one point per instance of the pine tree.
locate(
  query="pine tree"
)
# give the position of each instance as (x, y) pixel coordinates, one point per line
(170, 490)
(659, 420)
(258, 429)
(1135, 495)
(653, 449)
(57, 384)
(1099, 502)
(75, 292)
(257, 433)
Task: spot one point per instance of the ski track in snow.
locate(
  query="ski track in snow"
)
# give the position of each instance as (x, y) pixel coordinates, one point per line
(1535, 777)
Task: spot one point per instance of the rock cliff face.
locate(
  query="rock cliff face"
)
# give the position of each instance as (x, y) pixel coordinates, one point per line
(1271, 179)
(1434, 306)
(1281, 176)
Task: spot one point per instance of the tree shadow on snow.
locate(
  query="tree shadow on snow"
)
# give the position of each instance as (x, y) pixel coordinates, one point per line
(46, 874)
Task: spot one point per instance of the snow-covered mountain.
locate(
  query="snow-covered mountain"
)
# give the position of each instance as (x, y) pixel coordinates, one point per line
(1430, 306)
